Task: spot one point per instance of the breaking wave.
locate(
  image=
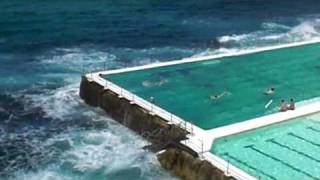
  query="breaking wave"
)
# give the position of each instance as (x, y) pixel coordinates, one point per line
(111, 154)
(86, 60)
(76, 142)
(271, 34)
(275, 34)
(61, 137)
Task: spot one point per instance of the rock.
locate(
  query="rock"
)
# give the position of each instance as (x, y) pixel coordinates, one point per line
(168, 158)
(205, 171)
(188, 167)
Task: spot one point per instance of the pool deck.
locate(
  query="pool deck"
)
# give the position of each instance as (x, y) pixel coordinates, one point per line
(255, 123)
(201, 140)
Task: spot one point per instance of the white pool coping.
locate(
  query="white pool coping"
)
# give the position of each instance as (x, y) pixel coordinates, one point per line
(201, 140)
(267, 120)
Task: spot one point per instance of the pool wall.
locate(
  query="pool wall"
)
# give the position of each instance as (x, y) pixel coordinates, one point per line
(174, 155)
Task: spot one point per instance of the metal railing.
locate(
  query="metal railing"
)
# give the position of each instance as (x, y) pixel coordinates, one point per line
(197, 145)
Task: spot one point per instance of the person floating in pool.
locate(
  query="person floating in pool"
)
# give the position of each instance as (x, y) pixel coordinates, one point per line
(283, 106)
(160, 83)
(291, 105)
(218, 96)
(270, 91)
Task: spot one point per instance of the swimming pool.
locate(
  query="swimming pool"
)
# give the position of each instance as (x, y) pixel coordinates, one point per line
(286, 151)
(185, 89)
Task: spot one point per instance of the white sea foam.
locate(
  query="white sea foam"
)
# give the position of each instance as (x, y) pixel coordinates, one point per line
(307, 30)
(90, 60)
(105, 153)
(57, 103)
(274, 34)
(77, 59)
(274, 26)
(209, 52)
(232, 38)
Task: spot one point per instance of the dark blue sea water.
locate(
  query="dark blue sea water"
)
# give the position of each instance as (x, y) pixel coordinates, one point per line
(48, 133)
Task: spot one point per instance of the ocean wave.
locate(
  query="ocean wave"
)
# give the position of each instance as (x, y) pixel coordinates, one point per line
(232, 38)
(274, 26)
(87, 59)
(113, 153)
(71, 146)
(77, 60)
(307, 30)
(80, 148)
(209, 52)
(58, 103)
(270, 34)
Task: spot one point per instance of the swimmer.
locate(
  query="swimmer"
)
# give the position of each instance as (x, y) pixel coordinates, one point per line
(147, 83)
(160, 83)
(218, 96)
(270, 92)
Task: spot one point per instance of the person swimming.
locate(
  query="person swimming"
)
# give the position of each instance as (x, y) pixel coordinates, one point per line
(270, 91)
(160, 83)
(218, 96)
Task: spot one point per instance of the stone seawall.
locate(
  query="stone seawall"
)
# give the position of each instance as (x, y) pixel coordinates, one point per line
(188, 167)
(177, 158)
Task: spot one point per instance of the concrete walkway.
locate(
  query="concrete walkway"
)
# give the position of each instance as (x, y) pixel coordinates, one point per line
(259, 122)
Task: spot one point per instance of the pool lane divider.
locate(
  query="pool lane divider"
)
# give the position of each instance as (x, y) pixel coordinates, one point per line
(282, 162)
(304, 139)
(284, 146)
(313, 129)
(198, 139)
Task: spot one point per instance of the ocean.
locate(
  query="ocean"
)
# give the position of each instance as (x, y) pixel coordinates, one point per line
(48, 133)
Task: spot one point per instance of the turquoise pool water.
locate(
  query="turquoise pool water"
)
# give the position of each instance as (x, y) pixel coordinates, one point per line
(286, 151)
(185, 89)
